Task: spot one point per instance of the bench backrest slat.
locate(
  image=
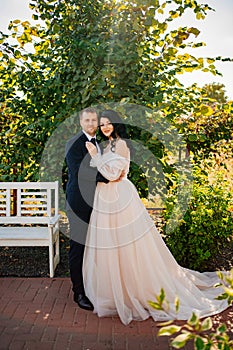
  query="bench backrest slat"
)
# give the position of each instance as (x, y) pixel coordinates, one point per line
(33, 199)
(5, 201)
(18, 201)
(28, 185)
(49, 197)
(8, 202)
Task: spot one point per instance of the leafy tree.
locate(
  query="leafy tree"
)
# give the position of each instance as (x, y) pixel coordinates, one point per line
(89, 53)
(215, 92)
(209, 123)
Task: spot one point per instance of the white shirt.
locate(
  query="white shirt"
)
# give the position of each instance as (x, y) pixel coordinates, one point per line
(92, 137)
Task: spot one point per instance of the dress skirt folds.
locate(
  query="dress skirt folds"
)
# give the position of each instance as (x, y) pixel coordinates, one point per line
(126, 262)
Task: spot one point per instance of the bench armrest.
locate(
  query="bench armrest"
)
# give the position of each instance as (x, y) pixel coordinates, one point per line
(53, 220)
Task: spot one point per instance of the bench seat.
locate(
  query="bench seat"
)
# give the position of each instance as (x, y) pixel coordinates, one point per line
(25, 236)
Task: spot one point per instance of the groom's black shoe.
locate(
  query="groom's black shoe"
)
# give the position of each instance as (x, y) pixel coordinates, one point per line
(83, 301)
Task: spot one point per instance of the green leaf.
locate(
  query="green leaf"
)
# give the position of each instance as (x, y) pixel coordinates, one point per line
(179, 341)
(202, 137)
(169, 330)
(194, 31)
(156, 306)
(206, 110)
(222, 328)
(192, 137)
(193, 320)
(199, 343)
(206, 324)
(161, 296)
(177, 304)
(163, 324)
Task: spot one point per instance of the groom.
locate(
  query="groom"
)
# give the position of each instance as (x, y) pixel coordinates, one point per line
(80, 192)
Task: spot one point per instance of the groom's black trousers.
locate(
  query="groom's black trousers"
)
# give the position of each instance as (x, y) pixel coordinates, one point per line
(76, 252)
(78, 230)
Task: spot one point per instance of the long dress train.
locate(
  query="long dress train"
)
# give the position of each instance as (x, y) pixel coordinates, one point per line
(126, 262)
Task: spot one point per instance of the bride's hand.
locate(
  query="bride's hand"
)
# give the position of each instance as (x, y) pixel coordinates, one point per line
(91, 149)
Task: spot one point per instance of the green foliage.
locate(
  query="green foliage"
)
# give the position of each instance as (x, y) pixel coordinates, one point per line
(88, 53)
(210, 121)
(162, 304)
(207, 226)
(227, 284)
(198, 331)
(201, 332)
(216, 92)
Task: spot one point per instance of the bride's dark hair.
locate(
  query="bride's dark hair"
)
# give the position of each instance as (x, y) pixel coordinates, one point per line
(119, 128)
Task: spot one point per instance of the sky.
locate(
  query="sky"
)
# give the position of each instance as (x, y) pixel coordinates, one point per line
(216, 32)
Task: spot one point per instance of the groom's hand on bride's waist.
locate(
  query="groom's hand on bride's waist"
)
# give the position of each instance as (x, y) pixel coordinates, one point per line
(120, 177)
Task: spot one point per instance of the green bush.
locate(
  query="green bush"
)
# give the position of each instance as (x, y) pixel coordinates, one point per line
(206, 227)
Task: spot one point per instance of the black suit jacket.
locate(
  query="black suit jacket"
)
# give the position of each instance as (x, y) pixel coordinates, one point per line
(82, 178)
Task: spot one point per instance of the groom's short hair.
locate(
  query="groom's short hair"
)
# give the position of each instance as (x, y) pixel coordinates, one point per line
(87, 110)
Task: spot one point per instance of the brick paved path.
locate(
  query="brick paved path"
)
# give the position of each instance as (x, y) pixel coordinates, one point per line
(39, 313)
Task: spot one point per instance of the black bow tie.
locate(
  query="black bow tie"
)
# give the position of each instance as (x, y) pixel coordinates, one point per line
(93, 140)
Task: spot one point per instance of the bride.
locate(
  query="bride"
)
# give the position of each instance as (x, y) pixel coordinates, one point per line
(126, 262)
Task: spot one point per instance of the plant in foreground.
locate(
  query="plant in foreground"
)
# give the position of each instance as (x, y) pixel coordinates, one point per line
(204, 336)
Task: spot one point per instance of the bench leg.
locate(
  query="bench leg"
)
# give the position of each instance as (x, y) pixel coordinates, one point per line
(51, 266)
(53, 258)
(57, 249)
(51, 253)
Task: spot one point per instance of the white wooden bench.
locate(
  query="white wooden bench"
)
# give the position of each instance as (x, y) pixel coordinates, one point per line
(36, 219)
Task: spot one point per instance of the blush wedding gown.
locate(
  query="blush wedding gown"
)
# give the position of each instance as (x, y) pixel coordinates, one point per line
(126, 262)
